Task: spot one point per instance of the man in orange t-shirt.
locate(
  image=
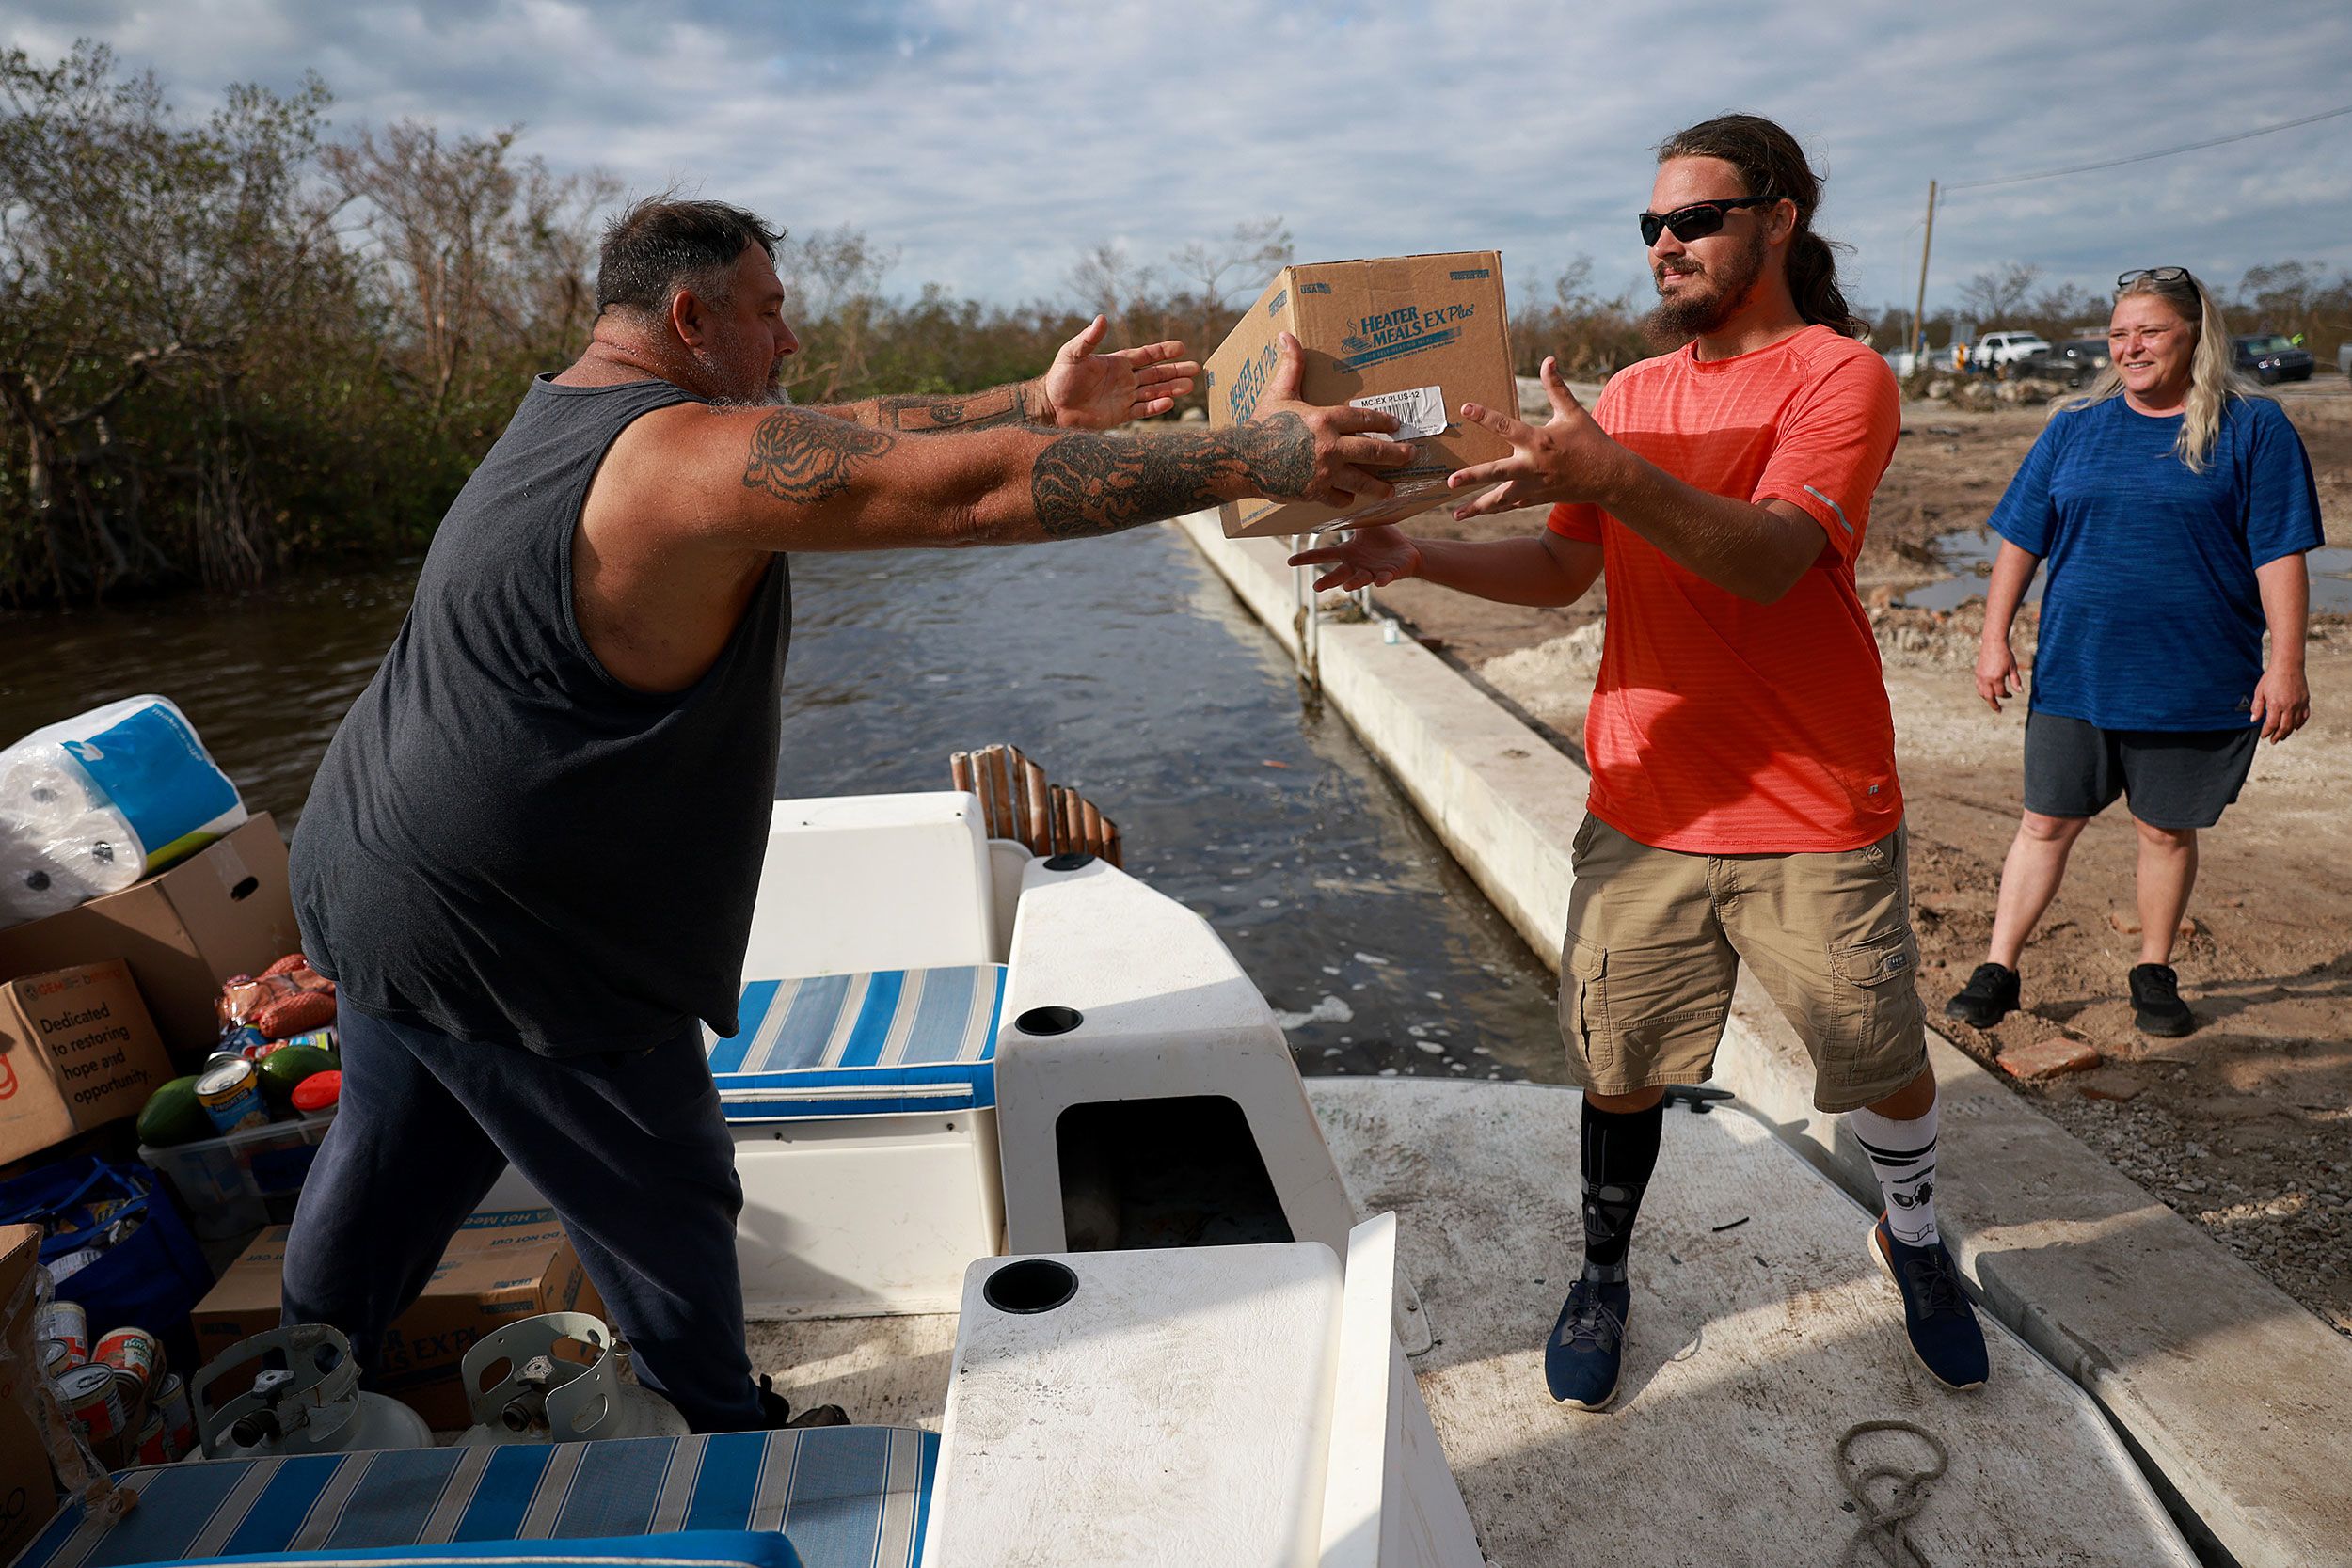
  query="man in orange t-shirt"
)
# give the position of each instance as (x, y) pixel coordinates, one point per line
(1744, 803)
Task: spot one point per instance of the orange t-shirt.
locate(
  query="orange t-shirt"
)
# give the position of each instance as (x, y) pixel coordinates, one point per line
(1720, 726)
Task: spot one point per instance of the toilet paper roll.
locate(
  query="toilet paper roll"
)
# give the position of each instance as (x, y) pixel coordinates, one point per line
(63, 864)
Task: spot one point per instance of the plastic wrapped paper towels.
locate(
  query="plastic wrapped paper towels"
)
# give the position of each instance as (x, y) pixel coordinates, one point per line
(91, 806)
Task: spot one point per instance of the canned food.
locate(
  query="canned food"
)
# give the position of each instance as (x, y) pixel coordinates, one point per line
(63, 1268)
(57, 1359)
(66, 1323)
(91, 1397)
(137, 1359)
(231, 1096)
(220, 1058)
(171, 1402)
(155, 1440)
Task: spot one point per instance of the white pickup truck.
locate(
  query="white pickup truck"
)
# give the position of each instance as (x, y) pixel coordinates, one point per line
(1996, 349)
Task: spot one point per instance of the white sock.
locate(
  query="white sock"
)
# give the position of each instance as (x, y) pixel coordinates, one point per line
(1903, 1155)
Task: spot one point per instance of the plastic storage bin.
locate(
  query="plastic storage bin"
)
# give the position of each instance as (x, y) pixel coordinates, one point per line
(245, 1180)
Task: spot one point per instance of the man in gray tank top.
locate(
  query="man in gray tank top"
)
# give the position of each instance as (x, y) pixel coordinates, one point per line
(530, 855)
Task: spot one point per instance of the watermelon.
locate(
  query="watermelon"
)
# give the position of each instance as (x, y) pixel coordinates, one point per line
(172, 1115)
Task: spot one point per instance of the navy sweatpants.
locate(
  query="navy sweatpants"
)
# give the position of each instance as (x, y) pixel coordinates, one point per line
(631, 1149)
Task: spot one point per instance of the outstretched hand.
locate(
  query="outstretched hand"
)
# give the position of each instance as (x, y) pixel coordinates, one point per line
(1367, 558)
(1088, 390)
(1570, 459)
(1298, 450)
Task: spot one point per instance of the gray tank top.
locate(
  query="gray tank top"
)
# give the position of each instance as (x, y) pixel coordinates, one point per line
(504, 843)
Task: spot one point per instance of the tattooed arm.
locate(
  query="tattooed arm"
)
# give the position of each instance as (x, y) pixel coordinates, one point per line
(1022, 402)
(794, 479)
(1083, 390)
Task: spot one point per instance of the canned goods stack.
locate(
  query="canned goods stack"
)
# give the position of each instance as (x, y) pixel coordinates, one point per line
(131, 1407)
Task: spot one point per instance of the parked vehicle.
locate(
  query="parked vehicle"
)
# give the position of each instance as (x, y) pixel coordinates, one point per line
(2073, 361)
(1996, 349)
(2268, 358)
(1906, 364)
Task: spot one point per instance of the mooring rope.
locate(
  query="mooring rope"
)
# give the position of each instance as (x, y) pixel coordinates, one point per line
(1883, 1532)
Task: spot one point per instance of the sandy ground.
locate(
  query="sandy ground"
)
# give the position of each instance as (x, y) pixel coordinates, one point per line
(2245, 1126)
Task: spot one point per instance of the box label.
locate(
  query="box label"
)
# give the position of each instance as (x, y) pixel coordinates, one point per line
(1249, 384)
(1419, 410)
(1408, 330)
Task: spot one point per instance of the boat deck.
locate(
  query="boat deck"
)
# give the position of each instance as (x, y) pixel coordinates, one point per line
(1761, 1333)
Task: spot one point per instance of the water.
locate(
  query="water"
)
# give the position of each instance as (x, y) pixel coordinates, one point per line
(1122, 665)
(1970, 551)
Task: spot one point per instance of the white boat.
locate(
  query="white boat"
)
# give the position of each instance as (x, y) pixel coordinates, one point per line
(1033, 1183)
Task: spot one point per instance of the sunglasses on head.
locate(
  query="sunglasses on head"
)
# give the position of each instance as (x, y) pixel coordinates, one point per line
(2153, 275)
(1697, 220)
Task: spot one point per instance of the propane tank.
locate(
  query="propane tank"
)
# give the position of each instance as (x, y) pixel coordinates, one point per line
(563, 1385)
(313, 1405)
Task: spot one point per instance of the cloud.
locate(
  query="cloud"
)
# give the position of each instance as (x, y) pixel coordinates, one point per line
(992, 146)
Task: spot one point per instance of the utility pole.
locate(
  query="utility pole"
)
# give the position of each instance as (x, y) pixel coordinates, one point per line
(1919, 327)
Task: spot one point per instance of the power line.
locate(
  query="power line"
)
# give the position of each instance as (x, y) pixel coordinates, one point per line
(2144, 157)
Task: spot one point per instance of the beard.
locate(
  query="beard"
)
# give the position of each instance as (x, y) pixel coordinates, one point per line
(1697, 310)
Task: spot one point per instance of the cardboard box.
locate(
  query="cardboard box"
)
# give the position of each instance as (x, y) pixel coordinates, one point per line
(224, 910)
(28, 1488)
(1377, 329)
(78, 1050)
(498, 1267)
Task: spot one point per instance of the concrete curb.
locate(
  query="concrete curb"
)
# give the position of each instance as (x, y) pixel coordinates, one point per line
(2238, 1399)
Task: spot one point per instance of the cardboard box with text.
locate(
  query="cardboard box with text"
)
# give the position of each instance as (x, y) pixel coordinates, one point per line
(223, 910)
(1419, 335)
(28, 1487)
(78, 1050)
(501, 1266)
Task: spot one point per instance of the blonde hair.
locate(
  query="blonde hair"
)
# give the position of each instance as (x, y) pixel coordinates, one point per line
(2213, 374)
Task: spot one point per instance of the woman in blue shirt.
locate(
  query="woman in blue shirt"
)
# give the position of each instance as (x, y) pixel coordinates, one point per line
(2172, 502)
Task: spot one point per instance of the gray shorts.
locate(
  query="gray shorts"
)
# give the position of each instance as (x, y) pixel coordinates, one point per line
(2173, 779)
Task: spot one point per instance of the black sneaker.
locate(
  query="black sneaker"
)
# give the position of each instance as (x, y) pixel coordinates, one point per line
(1581, 1358)
(776, 1413)
(1990, 996)
(2156, 1004)
(1936, 1315)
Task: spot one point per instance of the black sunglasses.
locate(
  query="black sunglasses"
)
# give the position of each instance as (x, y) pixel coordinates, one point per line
(1697, 220)
(2153, 275)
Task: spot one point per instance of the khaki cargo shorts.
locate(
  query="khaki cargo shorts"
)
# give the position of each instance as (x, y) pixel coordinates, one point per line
(1655, 941)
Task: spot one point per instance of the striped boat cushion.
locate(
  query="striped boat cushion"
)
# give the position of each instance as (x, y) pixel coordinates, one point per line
(846, 1497)
(844, 1045)
(686, 1549)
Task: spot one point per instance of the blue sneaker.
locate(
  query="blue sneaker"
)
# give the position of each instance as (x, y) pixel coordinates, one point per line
(1581, 1358)
(1936, 1314)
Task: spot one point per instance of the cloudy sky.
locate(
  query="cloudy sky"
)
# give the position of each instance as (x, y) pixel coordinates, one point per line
(991, 145)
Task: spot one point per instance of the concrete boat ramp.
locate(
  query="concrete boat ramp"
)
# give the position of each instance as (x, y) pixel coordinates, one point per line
(1761, 1333)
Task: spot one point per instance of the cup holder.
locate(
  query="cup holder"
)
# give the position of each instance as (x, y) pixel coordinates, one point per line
(1075, 860)
(1049, 1021)
(1033, 1285)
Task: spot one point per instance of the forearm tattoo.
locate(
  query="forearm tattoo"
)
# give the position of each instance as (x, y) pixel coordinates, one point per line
(1019, 403)
(1087, 483)
(806, 457)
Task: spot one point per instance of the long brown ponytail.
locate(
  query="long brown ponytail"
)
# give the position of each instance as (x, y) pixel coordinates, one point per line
(1771, 163)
